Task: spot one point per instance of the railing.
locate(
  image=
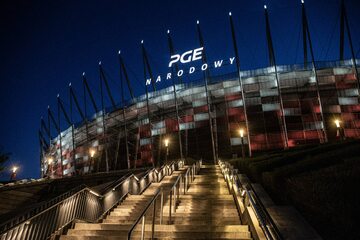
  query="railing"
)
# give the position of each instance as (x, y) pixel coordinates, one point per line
(249, 198)
(172, 195)
(82, 203)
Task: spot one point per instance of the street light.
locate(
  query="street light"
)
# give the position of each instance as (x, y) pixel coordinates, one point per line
(50, 161)
(339, 130)
(92, 152)
(337, 123)
(13, 173)
(241, 132)
(166, 143)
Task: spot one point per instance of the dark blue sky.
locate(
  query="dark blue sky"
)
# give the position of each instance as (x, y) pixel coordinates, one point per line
(44, 45)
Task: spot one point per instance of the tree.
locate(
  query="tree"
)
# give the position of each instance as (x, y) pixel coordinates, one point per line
(3, 158)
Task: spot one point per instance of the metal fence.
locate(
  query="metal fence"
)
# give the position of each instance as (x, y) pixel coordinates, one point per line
(82, 203)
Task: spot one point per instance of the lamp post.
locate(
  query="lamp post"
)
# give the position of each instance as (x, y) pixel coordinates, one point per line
(339, 130)
(92, 154)
(50, 161)
(13, 173)
(166, 143)
(241, 132)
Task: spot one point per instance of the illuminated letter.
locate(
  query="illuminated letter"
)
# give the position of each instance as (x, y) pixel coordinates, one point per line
(204, 67)
(180, 73)
(168, 76)
(158, 79)
(197, 54)
(191, 70)
(188, 59)
(218, 63)
(173, 59)
(148, 81)
(232, 60)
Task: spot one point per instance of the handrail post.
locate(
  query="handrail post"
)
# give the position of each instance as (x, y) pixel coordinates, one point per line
(170, 198)
(191, 172)
(153, 221)
(185, 183)
(174, 195)
(143, 228)
(178, 193)
(161, 206)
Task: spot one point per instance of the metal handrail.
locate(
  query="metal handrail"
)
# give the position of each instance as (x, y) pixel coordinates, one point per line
(152, 201)
(174, 192)
(266, 222)
(175, 189)
(142, 215)
(271, 228)
(44, 206)
(53, 216)
(13, 222)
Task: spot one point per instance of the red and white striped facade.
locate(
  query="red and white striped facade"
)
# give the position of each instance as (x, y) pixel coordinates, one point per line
(339, 95)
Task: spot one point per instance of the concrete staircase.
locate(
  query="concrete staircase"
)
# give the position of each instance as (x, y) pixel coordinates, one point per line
(206, 211)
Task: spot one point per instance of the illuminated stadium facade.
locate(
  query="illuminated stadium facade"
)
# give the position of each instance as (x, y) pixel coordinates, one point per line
(277, 107)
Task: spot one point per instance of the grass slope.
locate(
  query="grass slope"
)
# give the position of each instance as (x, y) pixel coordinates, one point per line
(322, 182)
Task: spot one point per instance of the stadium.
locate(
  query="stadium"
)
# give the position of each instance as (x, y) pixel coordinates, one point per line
(217, 116)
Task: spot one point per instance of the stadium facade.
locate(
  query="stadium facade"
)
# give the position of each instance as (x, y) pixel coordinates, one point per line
(278, 107)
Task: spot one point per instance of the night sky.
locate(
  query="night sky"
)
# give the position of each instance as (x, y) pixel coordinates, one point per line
(44, 45)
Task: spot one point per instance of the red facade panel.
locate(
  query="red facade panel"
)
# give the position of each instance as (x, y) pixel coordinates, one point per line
(200, 109)
(235, 111)
(296, 135)
(232, 97)
(350, 108)
(171, 125)
(188, 118)
(312, 134)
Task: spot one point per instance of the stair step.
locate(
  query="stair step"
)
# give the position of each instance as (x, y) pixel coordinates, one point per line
(210, 197)
(183, 234)
(163, 227)
(195, 210)
(66, 237)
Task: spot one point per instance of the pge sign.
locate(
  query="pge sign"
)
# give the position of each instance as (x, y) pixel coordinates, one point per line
(186, 57)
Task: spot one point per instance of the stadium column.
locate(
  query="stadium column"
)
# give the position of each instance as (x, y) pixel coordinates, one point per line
(306, 26)
(240, 81)
(147, 69)
(44, 143)
(172, 52)
(123, 72)
(272, 60)
(72, 128)
(77, 105)
(87, 89)
(57, 126)
(103, 119)
(41, 144)
(344, 19)
(206, 76)
(49, 129)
